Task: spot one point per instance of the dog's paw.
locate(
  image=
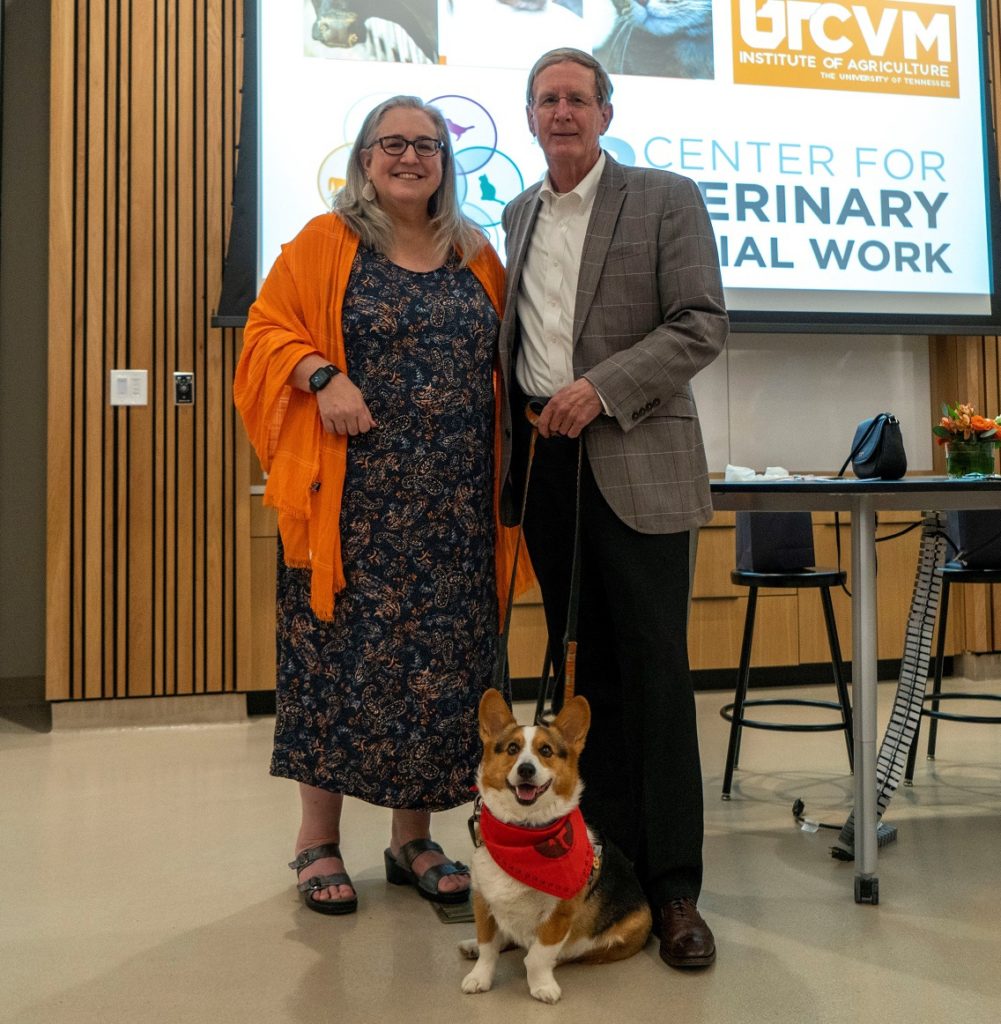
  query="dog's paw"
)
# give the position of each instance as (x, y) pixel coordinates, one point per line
(470, 949)
(475, 982)
(548, 992)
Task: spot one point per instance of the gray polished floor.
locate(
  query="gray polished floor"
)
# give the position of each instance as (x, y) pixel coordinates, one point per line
(143, 879)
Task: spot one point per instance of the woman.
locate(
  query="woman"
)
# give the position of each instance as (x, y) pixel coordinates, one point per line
(367, 387)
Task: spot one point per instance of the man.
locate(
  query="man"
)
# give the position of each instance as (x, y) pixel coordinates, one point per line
(614, 303)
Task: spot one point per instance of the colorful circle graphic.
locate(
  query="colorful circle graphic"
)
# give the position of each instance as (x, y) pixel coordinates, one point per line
(333, 173)
(470, 125)
(487, 181)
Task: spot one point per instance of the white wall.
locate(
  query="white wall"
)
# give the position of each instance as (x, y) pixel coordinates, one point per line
(794, 400)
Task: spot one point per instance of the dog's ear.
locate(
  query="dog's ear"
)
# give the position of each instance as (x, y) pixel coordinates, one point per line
(573, 722)
(495, 715)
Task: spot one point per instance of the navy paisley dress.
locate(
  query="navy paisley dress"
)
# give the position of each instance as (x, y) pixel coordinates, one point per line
(381, 703)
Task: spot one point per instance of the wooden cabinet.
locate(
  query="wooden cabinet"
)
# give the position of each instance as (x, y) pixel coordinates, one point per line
(789, 629)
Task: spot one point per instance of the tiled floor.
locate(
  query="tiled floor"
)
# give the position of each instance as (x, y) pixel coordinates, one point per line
(143, 880)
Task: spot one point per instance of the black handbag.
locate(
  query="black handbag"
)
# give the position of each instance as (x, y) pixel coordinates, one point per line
(877, 449)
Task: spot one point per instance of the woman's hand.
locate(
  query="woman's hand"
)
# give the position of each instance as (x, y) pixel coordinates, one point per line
(342, 408)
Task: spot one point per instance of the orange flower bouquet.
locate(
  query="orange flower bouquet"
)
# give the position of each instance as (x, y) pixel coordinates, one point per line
(969, 439)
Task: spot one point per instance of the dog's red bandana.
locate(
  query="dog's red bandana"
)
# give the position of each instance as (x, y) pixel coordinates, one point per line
(556, 859)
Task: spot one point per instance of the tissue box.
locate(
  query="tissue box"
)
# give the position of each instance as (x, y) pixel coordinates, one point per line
(774, 541)
(977, 534)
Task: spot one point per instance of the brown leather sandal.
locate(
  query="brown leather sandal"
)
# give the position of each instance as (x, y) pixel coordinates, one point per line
(400, 871)
(317, 882)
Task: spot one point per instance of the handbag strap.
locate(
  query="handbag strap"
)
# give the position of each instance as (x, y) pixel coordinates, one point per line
(876, 420)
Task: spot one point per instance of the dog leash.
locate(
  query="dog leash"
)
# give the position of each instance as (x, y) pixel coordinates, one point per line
(502, 679)
(568, 669)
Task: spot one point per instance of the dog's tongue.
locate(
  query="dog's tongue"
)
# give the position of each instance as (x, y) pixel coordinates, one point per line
(526, 792)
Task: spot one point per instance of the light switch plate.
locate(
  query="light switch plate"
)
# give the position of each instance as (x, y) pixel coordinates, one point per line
(128, 387)
(184, 388)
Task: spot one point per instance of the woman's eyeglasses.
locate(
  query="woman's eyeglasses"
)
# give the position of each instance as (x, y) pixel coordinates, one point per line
(396, 145)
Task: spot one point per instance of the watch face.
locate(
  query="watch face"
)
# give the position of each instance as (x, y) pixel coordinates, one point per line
(320, 378)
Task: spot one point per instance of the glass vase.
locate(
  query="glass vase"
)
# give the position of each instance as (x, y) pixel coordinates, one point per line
(963, 458)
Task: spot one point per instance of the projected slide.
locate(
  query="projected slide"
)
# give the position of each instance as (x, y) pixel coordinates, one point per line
(840, 147)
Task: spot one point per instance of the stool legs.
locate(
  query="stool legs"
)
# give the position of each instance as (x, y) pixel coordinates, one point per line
(837, 667)
(736, 709)
(743, 675)
(936, 687)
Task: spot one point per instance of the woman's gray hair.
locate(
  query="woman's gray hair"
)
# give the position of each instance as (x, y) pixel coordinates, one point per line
(452, 229)
(602, 83)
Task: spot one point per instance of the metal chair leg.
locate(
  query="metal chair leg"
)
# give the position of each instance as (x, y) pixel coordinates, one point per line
(837, 667)
(743, 675)
(939, 664)
(912, 754)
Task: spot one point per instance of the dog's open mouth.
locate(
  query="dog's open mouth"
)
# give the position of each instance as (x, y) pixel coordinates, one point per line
(526, 794)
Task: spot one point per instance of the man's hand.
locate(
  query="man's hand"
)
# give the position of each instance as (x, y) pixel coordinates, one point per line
(570, 410)
(342, 408)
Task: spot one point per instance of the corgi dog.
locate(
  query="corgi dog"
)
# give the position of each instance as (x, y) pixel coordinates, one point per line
(541, 879)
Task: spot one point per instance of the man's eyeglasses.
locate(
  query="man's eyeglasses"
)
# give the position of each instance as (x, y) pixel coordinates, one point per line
(396, 145)
(576, 100)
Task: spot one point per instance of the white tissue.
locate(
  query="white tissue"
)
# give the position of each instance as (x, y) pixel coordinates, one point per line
(741, 473)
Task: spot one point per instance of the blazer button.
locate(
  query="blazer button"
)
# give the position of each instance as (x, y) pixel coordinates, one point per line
(656, 402)
(636, 415)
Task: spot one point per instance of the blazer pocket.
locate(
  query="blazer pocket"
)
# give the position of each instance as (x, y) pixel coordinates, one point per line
(626, 251)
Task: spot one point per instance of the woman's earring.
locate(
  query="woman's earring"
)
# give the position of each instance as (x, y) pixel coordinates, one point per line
(368, 192)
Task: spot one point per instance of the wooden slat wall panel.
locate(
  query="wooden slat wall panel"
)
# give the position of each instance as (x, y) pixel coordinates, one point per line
(61, 519)
(143, 501)
(969, 369)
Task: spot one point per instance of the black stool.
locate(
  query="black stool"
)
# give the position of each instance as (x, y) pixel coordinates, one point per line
(822, 580)
(951, 572)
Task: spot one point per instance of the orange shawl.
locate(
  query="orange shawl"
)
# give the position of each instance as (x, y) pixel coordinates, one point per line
(298, 313)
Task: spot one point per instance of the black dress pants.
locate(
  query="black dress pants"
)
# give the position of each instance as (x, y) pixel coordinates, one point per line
(640, 766)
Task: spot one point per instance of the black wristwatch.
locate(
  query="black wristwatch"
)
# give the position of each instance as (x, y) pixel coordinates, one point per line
(320, 378)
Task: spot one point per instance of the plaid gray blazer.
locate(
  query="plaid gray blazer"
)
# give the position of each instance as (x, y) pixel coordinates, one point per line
(649, 315)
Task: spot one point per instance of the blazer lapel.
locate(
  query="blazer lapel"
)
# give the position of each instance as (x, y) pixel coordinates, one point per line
(521, 232)
(517, 245)
(604, 214)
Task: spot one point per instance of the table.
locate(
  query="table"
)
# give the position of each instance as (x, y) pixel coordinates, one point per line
(862, 499)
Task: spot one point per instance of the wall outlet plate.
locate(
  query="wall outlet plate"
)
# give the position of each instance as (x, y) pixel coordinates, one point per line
(184, 387)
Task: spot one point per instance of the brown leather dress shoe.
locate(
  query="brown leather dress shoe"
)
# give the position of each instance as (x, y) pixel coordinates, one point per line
(685, 938)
